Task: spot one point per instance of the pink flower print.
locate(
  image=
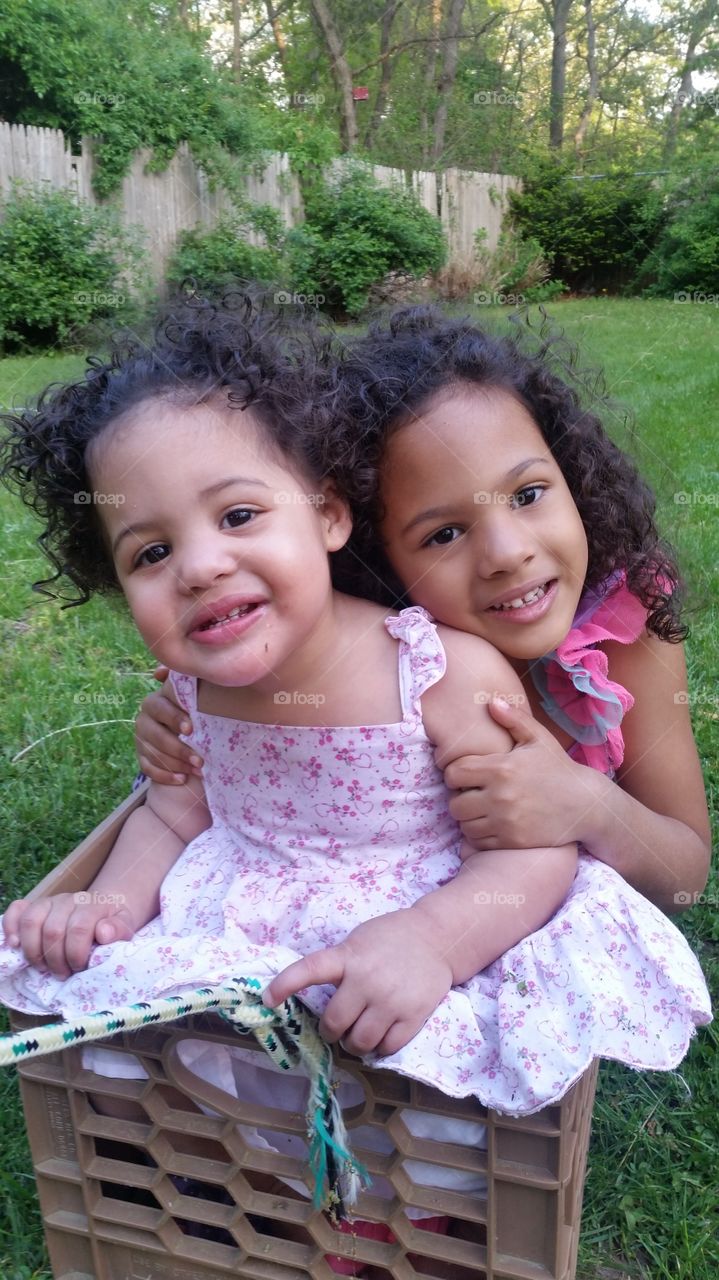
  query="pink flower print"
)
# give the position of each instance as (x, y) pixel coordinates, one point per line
(285, 813)
(398, 757)
(347, 756)
(311, 771)
(357, 795)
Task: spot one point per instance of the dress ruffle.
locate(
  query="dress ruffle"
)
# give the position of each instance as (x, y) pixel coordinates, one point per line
(573, 681)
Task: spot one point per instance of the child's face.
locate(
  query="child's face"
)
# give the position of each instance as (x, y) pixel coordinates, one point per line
(219, 548)
(478, 514)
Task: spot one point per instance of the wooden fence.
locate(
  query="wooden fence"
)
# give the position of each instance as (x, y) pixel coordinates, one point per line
(179, 198)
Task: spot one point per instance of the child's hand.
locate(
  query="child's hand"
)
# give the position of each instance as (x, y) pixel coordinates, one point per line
(162, 756)
(529, 797)
(58, 933)
(389, 979)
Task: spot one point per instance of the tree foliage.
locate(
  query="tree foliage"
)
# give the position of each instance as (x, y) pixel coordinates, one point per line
(63, 264)
(125, 75)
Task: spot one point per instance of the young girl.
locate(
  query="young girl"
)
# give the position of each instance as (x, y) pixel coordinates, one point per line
(321, 852)
(482, 490)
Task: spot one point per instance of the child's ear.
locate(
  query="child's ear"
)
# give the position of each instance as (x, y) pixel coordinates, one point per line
(336, 517)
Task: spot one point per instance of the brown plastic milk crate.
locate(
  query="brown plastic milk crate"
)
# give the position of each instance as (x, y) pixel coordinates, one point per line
(180, 1194)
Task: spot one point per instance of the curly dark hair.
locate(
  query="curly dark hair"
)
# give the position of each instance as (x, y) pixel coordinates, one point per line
(238, 345)
(387, 377)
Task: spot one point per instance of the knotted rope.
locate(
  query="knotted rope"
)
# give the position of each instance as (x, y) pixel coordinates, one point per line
(288, 1034)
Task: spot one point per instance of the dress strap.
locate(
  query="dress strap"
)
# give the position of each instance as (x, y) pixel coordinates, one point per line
(185, 690)
(422, 660)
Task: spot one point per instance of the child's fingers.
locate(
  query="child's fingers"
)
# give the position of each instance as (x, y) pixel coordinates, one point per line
(366, 1031)
(11, 922)
(157, 774)
(161, 673)
(33, 938)
(316, 969)
(157, 731)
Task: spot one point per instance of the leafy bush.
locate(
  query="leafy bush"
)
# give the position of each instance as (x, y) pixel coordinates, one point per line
(686, 256)
(63, 264)
(515, 272)
(213, 258)
(595, 233)
(355, 234)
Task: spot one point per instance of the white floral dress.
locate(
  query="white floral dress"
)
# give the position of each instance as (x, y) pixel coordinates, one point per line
(316, 829)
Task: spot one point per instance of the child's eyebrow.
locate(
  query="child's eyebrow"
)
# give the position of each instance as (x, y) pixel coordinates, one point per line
(209, 492)
(437, 513)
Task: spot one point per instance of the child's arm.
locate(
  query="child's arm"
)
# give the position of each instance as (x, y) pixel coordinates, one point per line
(653, 828)
(59, 932)
(391, 972)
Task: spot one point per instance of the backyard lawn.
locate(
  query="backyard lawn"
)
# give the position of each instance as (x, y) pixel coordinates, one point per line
(74, 679)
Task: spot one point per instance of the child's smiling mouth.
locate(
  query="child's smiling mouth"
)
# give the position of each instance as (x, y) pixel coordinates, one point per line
(526, 604)
(225, 619)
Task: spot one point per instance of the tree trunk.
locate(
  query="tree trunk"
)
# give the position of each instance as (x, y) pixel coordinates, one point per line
(279, 35)
(559, 13)
(686, 87)
(381, 99)
(447, 77)
(593, 87)
(429, 74)
(340, 71)
(236, 42)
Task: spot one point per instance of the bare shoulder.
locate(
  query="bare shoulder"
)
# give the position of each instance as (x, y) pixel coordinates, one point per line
(661, 766)
(474, 661)
(456, 714)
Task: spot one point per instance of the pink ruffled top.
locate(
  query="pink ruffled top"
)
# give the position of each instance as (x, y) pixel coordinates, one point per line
(573, 680)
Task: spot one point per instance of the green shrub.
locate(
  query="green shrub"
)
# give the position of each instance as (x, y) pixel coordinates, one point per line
(595, 232)
(63, 265)
(686, 256)
(213, 258)
(356, 232)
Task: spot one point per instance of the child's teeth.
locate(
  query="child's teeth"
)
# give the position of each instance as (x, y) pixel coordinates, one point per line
(530, 597)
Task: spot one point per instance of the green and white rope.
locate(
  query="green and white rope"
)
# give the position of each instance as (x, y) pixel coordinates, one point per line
(288, 1034)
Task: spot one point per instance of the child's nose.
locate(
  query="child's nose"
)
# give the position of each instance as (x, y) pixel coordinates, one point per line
(502, 545)
(203, 561)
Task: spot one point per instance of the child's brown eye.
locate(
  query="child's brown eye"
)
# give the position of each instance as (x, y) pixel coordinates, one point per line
(443, 537)
(527, 497)
(153, 555)
(238, 517)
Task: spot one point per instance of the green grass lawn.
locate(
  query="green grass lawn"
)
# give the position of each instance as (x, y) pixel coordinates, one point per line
(76, 676)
